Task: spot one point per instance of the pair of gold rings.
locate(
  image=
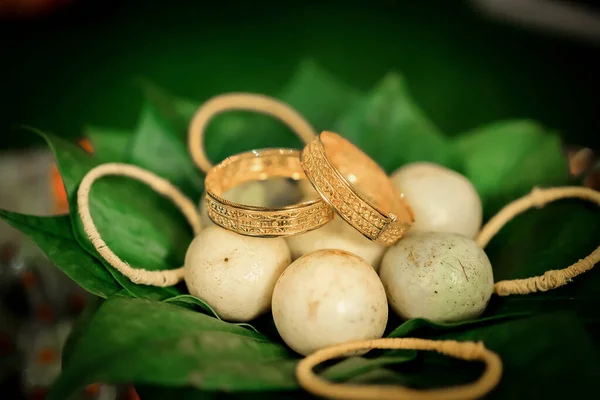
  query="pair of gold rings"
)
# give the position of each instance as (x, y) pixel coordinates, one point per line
(347, 180)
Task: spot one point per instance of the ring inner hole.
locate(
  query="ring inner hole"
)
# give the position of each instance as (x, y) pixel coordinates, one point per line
(267, 180)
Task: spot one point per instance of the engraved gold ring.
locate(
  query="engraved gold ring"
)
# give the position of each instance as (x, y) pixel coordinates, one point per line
(262, 221)
(356, 187)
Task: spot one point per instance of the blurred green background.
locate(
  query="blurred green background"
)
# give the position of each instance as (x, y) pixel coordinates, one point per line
(79, 66)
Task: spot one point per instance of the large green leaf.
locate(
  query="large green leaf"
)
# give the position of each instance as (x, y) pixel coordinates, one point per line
(149, 392)
(110, 145)
(193, 302)
(158, 148)
(319, 96)
(185, 348)
(55, 237)
(79, 328)
(545, 239)
(313, 92)
(415, 324)
(142, 341)
(145, 342)
(176, 110)
(353, 369)
(541, 345)
(140, 226)
(506, 159)
(390, 127)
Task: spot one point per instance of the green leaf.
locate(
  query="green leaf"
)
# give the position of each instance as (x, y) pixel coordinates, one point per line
(319, 96)
(192, 302)
(141, 227)
(176, 110)
(542, 345)
(539, 240)
(80, 326)
(187, 393)
(189, 301)
(354, 367)
(110, 145)
(149, 342)
(313, 92)
(54, 237)
(506, 159)
(389, 127)
(158, 148)
(160, 143)
(415, 324)
(149, 392)
(143, 341)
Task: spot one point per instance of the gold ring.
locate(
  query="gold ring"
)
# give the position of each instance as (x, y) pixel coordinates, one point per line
(262, 221)
(356, 187)
(242, 102)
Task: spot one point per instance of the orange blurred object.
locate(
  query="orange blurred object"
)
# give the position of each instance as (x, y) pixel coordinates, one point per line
(61, 203)
(76, 302)
(132, 394)
(30, 7)
(47, 356)
(37, 393)
(92, 390)
(86, 145)
(45, 314)
(6, 344)
(29, 279)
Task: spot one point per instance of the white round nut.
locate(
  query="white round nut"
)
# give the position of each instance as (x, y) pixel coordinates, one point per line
(326, 298)
(339, 235)
(442, 200)
(233, 273)
(442, 277)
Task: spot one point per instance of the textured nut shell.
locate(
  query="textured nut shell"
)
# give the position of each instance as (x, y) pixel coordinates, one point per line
(235, 274)
(328, 297)
(442, 200)
(337, 234)
(443, 277)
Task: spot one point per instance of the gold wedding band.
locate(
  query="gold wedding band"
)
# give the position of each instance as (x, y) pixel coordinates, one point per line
(242, 102)
(356, 187)
(261, 221)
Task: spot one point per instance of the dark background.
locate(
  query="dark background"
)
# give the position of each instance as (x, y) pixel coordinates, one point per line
(79, 65)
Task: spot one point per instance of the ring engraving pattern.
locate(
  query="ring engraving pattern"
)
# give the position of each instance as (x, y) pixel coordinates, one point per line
(262, 221)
